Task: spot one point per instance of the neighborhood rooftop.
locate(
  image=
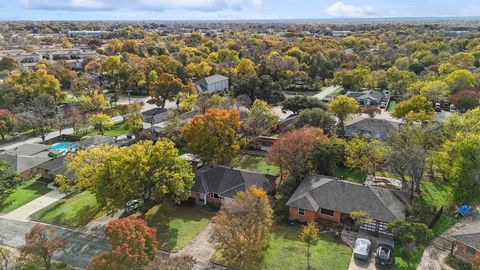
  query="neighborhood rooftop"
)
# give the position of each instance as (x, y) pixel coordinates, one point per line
(469, 235)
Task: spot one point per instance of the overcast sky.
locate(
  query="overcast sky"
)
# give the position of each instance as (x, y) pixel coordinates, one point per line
(231, 9)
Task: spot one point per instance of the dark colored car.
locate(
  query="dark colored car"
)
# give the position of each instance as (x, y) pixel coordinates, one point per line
(384, 256)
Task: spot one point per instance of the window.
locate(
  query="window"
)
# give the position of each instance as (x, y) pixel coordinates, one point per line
(216, 196)
(301, 212)
(326, 212)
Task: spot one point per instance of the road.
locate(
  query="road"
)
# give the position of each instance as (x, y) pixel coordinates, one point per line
(327, 91)
(80, 247)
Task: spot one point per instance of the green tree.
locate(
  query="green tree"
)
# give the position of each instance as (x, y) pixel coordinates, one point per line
(7, 122)
(299, 103)
(100, 122)
(173, 128)
(365, 154)
(242, 227)
(460, 80)
(134, 119)
(342, 107)
(260, 119)
(410, 235)
(8, 63)
(416, 108)
(315, 117)
(117, 175)
(309, 236)
(399, 80)
(360, 217)
(9, 180)
(327, 156)
(167, 87)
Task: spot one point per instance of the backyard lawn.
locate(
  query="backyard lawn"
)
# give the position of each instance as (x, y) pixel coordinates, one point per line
(391, 106)
(349, 174)
(177, 225)
(73, 211)
(437, 194)
(286, 251)
(24, 194)
(410, 263)
(255, 163)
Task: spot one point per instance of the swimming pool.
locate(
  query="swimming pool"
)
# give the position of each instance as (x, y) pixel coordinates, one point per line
(63, 146)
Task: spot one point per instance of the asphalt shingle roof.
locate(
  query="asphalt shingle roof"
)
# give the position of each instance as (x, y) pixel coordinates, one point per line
(21, 163)
(325, 192)
(469, 235)
(28, 149)
(361, 122)
(227, 181)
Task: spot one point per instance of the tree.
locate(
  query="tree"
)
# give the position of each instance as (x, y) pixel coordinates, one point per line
(309, 236)
(8, 63)
(66, 43)
(416, 108)
(342, 107)
(173, 128)
(327, 156)
(9, 180)
(177, 262)
(359, 217)
(293, 152)
(107, 261)
(315, 117)
(365, 154)
(242, 227)
(134, 118)
(93, 103)
(131, 241)
(255, 87)
(299, 103)
(411, 235)
(260, 119)
(212, 137)
(246, 67)
(460, 80)
(41, 243)
(7, 122)
(100, 122)
(6, 257)
(85, 85)
(399, 80)
(476, 262)
(112, 66)
(40, 115)
(165, 88)
(465, 100)
(117, 175)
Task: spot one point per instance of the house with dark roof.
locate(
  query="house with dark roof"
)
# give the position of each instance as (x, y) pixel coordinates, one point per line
(328, 199)
(50, 169)
(155, 116)
(283, 125)
(26, 166)
(368, 97)
(212, 84)
(216, 184)
(377, 128)
(30, 149)
(467, 242)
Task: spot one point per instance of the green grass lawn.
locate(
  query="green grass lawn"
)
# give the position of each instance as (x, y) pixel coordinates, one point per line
(178, 225)
(116, 130)
(73, 211)
(335, 93)
(437, 194)
(255, 163)
(24, 194)
(391, 106)
(286, 251)
(406, 263)
(70, 99)
(349, 174)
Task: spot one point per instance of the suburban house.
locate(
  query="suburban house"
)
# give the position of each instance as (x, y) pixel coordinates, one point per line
(374, 127)
(323, 198)
(467, 242)
(155, 116)
(26, 158)
(369, 97)
(216, 184)
(50, 169)
(283, 124)
(212, 84)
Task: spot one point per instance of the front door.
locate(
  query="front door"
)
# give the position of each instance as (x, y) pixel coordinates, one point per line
(203, 198)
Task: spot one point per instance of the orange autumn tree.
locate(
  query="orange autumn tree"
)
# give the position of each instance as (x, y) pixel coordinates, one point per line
(41, 243)
(212, 137)
(133, 244)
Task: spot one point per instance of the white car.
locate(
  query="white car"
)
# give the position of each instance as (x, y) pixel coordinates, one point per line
(362, 249)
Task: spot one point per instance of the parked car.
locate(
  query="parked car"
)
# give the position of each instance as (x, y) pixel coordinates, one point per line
(132, 206)
(362, 249)
(384, 256)
(453, 108)
(438, 107)
(383, 105)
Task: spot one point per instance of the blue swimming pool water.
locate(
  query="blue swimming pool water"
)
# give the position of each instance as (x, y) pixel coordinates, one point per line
(64, 146)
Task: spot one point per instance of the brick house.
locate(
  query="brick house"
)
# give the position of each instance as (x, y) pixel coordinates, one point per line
(216, 184)
(376, 128)
(26, 158)
(328, 199)
(467, 242)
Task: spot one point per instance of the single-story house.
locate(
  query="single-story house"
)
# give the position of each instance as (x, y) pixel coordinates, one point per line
(327, 199)
(368, 97)
(467, 242)
(54, 167)
(155, 116)
(374, 127)
(283, 125)
(26, 166)
(212, 84)
(94, 140)
(216, 184)
(29, 149)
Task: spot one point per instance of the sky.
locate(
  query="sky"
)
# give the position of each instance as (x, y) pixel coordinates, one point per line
(231, 9)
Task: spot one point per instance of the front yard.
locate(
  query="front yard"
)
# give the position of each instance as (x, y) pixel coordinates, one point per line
(73, 211)
(286, 251)
(177, 225)
(256, 163)
(25, 193)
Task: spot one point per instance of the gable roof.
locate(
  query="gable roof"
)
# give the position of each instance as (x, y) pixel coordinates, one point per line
(319, 191)
(28, 149)
(469, 235)
(368, 94)
(202, 84)
(21, 163)
(227, 181)
(95, 140)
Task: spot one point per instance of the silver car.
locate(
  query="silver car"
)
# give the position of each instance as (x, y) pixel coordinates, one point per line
(362, 249)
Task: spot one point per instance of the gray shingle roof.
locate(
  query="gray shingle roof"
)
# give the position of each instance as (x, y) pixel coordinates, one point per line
(21, 163)
(369, 94)
(469, 235)
(361, 122)
(325, 192)
(202, 84)
(28, 149)
(227, 181)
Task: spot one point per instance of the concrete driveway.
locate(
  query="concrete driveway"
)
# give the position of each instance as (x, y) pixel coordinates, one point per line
(362, 265)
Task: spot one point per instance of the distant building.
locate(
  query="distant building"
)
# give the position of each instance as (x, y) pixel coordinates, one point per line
(341, 33)
(369, 97)
(86, 33)
(376, 128)
(212, 84)
(155, 116)
(467, 242)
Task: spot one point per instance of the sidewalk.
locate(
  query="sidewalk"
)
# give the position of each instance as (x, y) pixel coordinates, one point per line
(201, 248)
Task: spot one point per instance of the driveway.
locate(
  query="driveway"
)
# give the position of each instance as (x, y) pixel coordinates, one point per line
(23, 212)
(201, 248)
(80, 247)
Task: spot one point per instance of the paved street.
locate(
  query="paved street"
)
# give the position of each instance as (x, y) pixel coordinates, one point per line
(327, 91)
